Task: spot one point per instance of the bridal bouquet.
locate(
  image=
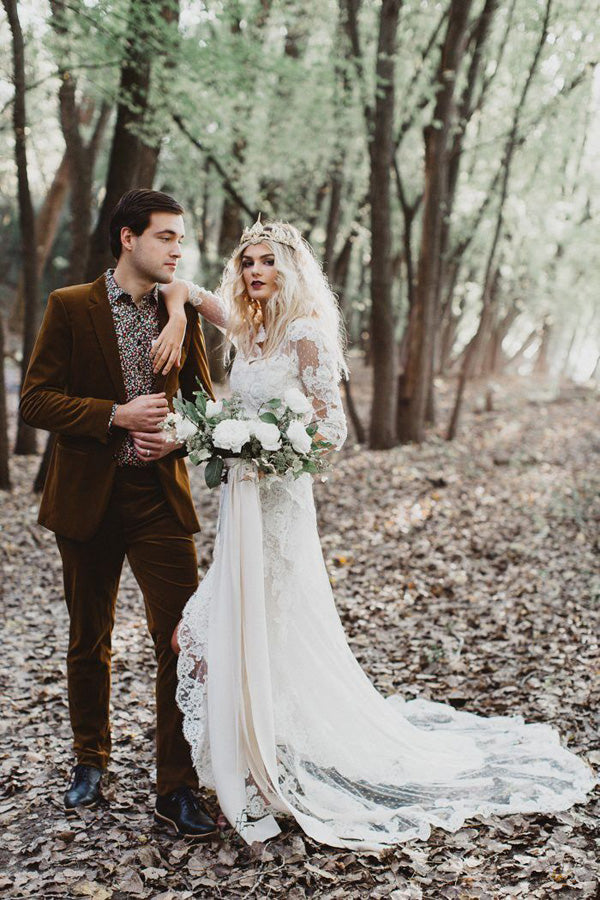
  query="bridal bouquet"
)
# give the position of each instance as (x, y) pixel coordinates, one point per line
(276, 439)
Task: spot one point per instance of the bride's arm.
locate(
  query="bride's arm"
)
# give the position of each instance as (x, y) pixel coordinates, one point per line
(210, 306)
(320, 379)
(166, 351)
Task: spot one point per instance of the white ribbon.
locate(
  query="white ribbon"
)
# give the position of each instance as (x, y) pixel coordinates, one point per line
(241, 730)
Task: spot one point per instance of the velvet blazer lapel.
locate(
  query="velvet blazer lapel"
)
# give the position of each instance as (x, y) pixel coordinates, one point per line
(104, 325)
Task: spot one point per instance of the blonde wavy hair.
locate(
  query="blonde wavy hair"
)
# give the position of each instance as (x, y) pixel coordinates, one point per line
(302, 291)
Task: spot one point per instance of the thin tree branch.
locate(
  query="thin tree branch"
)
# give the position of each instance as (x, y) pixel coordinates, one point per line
(212, 159)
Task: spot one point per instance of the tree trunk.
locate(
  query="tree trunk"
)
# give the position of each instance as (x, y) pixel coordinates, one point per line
(231, 228)
(46, 226)
(124, 155)
(357, 425)
(147, 165)
(448, 320)
(418, 374)
(4, 451)
(542, 360)
(495, 358)
(333, 221)
(26, 436)
(466, 108)
(513, 362)
(48, 217)
(489, 278)
(82, 158)
(382, 433)
(128, 151)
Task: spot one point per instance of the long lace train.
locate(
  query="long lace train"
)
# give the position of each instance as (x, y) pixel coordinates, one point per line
(281, 718)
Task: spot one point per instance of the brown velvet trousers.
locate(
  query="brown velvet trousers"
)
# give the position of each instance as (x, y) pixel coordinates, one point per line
(140, 525)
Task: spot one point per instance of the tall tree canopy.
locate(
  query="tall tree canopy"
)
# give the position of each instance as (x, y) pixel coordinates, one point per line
(477, 121)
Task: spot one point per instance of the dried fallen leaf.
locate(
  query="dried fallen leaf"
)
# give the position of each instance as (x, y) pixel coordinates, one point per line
(90, 889)
(485, 594)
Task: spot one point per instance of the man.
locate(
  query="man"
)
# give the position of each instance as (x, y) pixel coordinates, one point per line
(116, 487)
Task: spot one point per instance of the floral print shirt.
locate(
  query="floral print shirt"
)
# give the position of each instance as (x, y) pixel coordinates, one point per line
(136, 327)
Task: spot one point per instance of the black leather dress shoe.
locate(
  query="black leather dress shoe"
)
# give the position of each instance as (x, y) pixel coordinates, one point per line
(181, 810)
(84, 789)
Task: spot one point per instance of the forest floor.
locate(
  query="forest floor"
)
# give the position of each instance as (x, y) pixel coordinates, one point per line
(466, 572)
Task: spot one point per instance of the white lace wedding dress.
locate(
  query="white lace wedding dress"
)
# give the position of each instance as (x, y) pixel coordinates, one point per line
(280, 717)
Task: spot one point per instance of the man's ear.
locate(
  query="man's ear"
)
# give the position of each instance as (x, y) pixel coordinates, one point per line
(127, 236)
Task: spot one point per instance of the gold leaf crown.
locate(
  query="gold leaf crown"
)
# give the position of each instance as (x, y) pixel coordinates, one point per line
(282, 234)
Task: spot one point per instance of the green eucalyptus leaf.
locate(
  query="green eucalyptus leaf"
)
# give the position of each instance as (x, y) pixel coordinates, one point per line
(201, 404)
(213, 472)
(269, 417)
(189, 410)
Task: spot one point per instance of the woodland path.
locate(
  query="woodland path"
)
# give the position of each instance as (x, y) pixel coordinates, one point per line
(465, 572)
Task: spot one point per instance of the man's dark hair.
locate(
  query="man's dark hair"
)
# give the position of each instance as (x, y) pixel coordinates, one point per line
(134, 210)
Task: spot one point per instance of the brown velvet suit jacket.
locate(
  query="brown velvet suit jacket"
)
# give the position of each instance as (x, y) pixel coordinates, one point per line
(73, 379)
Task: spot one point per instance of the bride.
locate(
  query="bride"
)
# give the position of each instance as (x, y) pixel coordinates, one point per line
(280, 717)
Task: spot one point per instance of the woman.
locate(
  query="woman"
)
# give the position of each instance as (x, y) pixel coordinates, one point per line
(279, 715)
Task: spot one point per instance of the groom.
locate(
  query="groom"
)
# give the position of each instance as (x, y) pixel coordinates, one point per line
(116, 488)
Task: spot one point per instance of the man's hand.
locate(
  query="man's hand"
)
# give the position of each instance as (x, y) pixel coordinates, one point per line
(152, 445)
(143, 413)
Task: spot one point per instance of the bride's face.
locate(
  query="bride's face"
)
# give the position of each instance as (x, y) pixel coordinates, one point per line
(259, 272)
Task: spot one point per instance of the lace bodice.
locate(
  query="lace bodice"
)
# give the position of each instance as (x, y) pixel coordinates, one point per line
(303, 361)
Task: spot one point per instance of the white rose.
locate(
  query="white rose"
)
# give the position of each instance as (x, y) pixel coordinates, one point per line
(213, 408)
(299, 437)
(185, 429)
(231, 434)
(169, 423)
(267, 433)
(198, 456)
(297, 401)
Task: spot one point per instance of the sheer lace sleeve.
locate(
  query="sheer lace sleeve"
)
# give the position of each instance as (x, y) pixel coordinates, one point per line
(318, 372)
(210, 306)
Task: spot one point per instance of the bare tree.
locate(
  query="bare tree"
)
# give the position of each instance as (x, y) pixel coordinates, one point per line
(132, 161)
(418, 372)
(487, 308)
(381, 150)
(26, 436)
(81, 155)
(4, 450)
(46, 226)
(379, 119)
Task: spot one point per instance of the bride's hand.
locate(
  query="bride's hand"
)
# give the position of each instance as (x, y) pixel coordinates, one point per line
(166, 350)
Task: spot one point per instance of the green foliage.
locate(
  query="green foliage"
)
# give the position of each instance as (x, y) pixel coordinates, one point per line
(271, 91)
(213, 472)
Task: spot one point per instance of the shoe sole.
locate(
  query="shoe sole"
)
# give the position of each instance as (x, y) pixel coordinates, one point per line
(72, 810)
(209, 835)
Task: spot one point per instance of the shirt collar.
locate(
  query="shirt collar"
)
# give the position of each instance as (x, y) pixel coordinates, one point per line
(116, 292)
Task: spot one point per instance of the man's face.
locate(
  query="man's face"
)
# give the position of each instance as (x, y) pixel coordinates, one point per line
(154, 254)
